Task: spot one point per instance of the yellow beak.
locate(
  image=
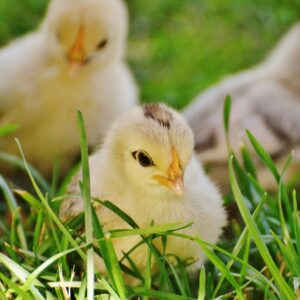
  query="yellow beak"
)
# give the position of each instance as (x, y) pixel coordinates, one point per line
(174, 179)
(76, 55)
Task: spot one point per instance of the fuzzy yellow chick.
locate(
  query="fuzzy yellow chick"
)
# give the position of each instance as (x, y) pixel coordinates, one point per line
(147, 167)
(73, 61)
(265, 100)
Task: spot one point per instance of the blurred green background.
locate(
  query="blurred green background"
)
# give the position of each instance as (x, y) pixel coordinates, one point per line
(177, 48)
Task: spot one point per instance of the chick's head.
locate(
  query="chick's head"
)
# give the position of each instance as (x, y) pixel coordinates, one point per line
(150, 147)
(86, 33)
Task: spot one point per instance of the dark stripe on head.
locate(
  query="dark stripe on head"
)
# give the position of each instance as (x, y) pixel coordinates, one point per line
(158, 113)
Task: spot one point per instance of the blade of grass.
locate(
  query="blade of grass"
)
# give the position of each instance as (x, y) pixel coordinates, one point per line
(37, 232)
(14, 209)
(291, 252)
(17, 162)
(109, 257)
(177, 279)
(158, 229)
(254, 232)
(226, 117)
(86, 195)
(82, 289)
(296, 222)
(15, 288)
(113, 294)
(240, 242)
(221, 266)
(48, 208)
(290, 259)
(32, 201)
(21, 274)
(7, 129)
(263, 155)
(33, 276)
(248, 161)
(140, 291)
(261, 277)
(184, 276)
(148, 279)
(202, 283)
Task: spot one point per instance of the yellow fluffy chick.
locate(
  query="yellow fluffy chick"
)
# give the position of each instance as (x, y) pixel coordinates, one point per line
(73, 61)
(265, 100)
(147, 167)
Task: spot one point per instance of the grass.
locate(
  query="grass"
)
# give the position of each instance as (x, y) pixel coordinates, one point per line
(258, 258)
(176, 49)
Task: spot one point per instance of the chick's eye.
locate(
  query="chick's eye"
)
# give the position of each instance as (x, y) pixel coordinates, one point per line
(102, 44)
(143, 158)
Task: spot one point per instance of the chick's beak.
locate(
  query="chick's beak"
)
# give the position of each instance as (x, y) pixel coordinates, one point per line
(174, 180)
(76, 55)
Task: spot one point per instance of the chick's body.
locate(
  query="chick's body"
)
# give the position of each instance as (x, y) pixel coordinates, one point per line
(117, 175)
(39, 93)
(265, 100)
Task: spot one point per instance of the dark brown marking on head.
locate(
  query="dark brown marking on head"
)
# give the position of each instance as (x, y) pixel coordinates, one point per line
(158, 113)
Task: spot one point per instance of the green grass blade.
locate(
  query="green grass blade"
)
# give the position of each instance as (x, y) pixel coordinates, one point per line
(82, 289)
(15, 287)
(254, 232)
(226, 118)
(17, 162)
(158, 229)
(33, 276)
(8, 129)
(86, 195)
(202, 284)
(177, 279)
(14, 210)
(240, 242)
(140, 291)
(248, 161)
(296, 227)
(67, 179)
(21, 274)
(37, 232)
(148, 278)
(221, 266)
(264, 156)
(48, 208)
(31, 200)
(227, 109)
(109, 257)
(116, 270)
(290, 258)
(259, 276)
(105, 284)
(184, 276)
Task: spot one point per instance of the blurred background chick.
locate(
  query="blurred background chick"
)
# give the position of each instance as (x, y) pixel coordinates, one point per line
(265, 100)
(73, 61)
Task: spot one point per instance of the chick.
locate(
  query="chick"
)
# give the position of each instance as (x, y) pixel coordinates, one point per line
(73, 61)
(146, 167)
(265, 100)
